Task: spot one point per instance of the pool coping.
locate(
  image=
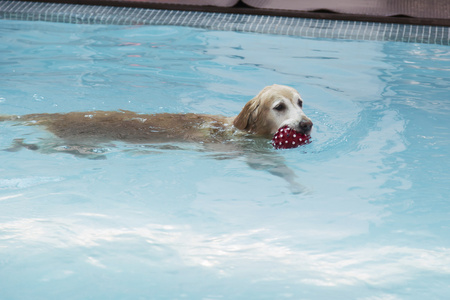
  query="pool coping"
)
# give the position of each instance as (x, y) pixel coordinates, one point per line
(256, 23)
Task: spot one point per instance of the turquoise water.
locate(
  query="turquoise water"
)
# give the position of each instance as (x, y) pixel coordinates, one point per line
(372, 222)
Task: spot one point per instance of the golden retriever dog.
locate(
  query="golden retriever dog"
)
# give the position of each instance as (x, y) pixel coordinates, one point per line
(274, 107)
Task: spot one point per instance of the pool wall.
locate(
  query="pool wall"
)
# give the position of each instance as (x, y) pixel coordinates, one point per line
(304, 27)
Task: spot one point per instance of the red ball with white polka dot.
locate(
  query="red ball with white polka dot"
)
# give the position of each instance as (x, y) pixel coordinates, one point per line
(287, 138)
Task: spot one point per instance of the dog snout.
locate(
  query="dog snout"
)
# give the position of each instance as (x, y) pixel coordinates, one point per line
(305, 126)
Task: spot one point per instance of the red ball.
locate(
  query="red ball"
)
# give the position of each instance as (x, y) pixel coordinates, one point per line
(286, 138)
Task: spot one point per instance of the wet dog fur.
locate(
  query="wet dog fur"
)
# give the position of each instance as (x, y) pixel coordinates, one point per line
(275, 106)
(272, 108)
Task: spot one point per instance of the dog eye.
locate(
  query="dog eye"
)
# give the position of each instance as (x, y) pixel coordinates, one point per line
(280, 107)
(300, 103)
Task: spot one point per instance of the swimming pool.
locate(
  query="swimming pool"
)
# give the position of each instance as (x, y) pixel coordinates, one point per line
(184, 223)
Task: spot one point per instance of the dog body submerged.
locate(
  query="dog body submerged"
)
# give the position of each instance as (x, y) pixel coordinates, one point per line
(130, 127)
(80, 133)
(274, 107)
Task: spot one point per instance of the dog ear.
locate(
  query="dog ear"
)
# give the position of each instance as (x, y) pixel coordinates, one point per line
(247, 117)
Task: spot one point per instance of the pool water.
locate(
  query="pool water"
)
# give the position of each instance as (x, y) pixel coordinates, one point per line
(372, 220)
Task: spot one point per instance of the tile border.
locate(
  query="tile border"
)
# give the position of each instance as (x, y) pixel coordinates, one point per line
(303, 27)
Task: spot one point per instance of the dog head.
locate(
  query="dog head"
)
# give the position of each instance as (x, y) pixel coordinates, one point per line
(274, 107)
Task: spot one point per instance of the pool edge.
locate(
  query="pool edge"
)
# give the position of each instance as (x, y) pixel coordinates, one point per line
(267, 24)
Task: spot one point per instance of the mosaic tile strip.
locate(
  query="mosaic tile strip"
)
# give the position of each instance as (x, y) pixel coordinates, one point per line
(351, 30)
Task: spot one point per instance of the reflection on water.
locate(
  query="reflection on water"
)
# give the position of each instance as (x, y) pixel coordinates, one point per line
(228, 254)
(187, 222)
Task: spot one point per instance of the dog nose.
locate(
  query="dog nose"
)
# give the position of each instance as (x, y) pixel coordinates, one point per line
(305, 126)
